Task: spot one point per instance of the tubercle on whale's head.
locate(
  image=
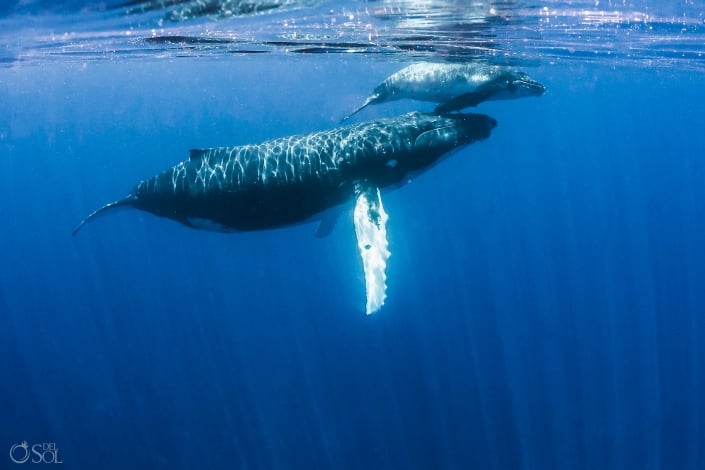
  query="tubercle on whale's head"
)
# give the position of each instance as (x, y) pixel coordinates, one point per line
(521, 84)
(472, 127)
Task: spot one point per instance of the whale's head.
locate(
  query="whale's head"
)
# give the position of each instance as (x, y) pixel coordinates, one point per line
(516, 84)
(418, 140)
(444, 132)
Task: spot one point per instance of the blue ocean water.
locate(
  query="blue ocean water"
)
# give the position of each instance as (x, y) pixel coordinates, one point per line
(546, 289)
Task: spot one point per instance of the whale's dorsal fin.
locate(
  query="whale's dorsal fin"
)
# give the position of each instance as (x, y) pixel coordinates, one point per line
(371, 230)
(196, 154)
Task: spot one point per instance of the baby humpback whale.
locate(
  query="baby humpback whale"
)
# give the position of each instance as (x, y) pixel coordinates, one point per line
(293, 179)
(454, 86)
(181, 10)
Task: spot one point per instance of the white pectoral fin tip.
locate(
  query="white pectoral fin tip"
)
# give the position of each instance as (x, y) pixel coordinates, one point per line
(371, 230)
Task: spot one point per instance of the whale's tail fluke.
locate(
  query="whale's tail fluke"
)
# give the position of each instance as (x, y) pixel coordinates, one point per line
(370, 99)
(127, 201)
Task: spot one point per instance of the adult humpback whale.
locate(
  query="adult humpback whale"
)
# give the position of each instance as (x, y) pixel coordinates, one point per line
(293, 179)
(454, 86)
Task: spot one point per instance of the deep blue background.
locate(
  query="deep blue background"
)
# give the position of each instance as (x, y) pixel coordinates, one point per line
(546, 292)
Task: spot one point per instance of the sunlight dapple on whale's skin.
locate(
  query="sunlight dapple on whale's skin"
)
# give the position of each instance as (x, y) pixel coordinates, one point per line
(454, 86)
(294, 179)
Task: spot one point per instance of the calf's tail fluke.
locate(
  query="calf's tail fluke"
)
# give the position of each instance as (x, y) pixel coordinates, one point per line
(127, 201)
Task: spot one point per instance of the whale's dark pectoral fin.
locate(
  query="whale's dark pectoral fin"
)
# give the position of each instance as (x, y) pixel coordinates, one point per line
(127, 201)
(467, 100)
(327, 224)
(371, 230)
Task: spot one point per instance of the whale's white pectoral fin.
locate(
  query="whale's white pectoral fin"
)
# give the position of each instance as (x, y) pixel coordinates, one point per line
(371, 231)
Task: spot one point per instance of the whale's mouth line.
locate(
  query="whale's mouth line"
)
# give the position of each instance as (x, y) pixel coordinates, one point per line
(532, 85)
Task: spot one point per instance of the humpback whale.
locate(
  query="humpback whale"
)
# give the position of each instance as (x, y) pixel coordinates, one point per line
(454, 86)
(294, 179)
(189, 9)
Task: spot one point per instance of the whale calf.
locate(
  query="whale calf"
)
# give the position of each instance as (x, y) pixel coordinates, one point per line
(454, 86)
(181, 10)
(294, 179)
